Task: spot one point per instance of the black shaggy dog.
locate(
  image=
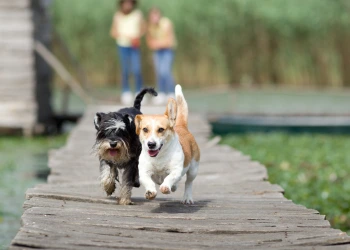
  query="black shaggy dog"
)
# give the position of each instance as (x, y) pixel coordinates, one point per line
(119, 148)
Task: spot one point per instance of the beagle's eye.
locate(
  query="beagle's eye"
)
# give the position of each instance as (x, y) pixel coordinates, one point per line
(145, 130)
(161, 130)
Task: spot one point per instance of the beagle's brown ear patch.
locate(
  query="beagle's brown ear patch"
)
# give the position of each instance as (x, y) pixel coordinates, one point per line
(138, 120)
(171, 111)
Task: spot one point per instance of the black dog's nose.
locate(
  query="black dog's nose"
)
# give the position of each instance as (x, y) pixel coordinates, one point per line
(113, 144)
(151, 144)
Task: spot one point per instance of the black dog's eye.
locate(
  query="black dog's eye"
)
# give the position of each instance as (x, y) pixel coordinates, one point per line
(145, 130)
(161, 130)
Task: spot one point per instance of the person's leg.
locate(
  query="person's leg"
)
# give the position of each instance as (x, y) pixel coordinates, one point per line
(168, 59)
(124, 55)
(136, 68)
(161, 83)
(157, 58)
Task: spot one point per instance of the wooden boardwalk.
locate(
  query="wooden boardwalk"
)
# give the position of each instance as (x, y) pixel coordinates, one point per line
(235, 206)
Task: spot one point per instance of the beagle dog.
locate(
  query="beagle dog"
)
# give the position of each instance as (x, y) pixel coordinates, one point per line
(169, 150)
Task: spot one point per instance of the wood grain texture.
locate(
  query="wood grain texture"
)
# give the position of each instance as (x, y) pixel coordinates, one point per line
(17, 76)
(14, 4)
(235, 206)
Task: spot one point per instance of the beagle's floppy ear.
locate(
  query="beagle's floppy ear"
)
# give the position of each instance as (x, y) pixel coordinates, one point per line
(171, 111)
(137, 121)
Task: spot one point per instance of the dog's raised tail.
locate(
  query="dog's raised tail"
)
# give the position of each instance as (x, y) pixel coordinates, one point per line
(139, 97)
(182, 108)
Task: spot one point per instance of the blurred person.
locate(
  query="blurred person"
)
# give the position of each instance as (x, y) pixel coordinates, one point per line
(161, 39)
(127, 28)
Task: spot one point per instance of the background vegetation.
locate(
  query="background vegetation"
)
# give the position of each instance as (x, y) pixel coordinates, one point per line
(298, 43)
(313, 169)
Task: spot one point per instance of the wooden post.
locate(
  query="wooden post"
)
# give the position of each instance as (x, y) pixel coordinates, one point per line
(65, 100)
(43, 72)
(62, 72)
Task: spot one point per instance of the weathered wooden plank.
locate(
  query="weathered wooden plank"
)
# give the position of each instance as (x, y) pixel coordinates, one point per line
(17, 114)
(127, 238)
(10, 16)
(84, 228)
(14, 28)
(16, 45)
(231, 224)
(14, 4)
(13, 66)
(91, 192)
(241, 212)
(13, 34)
(15, 77)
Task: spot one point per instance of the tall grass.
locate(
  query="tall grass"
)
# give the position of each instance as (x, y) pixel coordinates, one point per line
(299, 42)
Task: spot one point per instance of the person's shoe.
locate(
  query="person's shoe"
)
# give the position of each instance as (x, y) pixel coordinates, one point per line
(161, 99)
(127, 99)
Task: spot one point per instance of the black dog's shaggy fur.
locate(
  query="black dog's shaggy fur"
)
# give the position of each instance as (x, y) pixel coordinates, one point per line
(119, 148)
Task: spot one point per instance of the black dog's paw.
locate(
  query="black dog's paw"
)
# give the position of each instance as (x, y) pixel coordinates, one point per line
(137, 184)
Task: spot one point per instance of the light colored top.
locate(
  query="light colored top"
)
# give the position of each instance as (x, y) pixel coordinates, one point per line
(161, 31)
(128, 27)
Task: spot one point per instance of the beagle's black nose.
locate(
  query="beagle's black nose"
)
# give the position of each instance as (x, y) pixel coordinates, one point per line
(113, 144)
(151, 145)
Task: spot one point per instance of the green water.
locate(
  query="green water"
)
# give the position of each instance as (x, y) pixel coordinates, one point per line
(23, 164)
